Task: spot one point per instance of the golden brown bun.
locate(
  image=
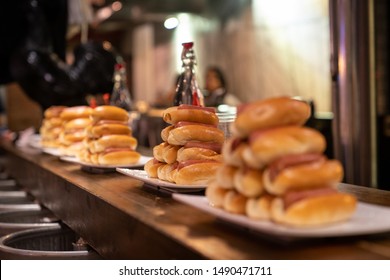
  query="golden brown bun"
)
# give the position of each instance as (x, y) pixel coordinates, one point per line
(70, 138)
(71, 113)
(249, 182)
(233, 153)
(234, 202)
(259, 208)
(113, 141)
(167, 172)
(121, 157)
(225, 176)
(174, 115)
(53, 112)
(197, 174)
(158, 151)
(184, 134)
(76, 124)
(215, 194)
(151, 167)
(184, 154)
(278, 142)
(97, 131)
(305, 176)
(72, 149)
(170, 153)
(165, 132)
(107, 112)
(271, 112)
(314, 211)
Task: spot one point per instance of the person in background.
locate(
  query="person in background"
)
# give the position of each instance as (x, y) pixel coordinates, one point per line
(215, 91)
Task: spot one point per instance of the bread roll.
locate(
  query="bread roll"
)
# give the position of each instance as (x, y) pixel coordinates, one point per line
(225, 176)
(183, 134)
(271, 112)
(189, 113)
(184, 154)
(151, 167)
(234, 202)
(114, 141)
(314, 211)
(215, 194)
(304, 176)
(107, 112)
(266, 146)
(232, 151)
(75, 112)
(118, 157)
(249, 182)
(102, 129)
(259, 208)
(196, 172)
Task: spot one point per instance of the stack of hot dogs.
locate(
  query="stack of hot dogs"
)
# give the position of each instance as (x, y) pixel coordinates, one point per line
(274, 168)
(109, 139)
(190, 153)
(51, 127)
(74, 121)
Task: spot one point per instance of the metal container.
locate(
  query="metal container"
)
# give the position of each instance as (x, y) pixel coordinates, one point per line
(12, 202)
(44, 243)
(12, 221)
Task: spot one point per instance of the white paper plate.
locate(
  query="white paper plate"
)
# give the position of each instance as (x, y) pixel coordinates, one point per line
(142, 176)
(52, 151)
(368, 219)
(35, 141)
(140, 163)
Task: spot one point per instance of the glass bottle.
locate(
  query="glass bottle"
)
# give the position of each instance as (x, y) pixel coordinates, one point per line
(187, 89)
(120, 95)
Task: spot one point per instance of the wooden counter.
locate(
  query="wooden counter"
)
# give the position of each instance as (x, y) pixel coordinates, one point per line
(121, 219)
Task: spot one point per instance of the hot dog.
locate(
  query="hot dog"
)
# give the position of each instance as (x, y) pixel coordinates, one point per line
(205, 115)
(272, 112)
(200, 150)
(196, 172)
(195, 132)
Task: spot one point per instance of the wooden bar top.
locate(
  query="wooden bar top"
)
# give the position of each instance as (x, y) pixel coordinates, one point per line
(122, 219)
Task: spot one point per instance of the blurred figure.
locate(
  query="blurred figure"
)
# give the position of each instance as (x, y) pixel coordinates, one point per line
(32, 54)
(216, 92)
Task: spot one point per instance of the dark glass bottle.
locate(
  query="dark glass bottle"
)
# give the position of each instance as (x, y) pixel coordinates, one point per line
(120, 95)
(187, 89)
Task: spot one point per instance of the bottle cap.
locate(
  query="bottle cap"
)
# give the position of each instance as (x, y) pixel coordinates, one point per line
(188, 45)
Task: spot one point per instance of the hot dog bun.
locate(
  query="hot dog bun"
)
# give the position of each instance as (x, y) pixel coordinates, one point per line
(184, 154)
(225, 176)
(232, 151)
(249, 182)
(107, 128)
(118, 157)
(151, 167)
(113, 141)
(266, 146)
(194, 132)
(190, 113)
(108, 112)
(272, 112)
(315, 210)
(259, 208)
(215, 194)
(304, 176)
(234, 202)
(75, 112)
(196, 172)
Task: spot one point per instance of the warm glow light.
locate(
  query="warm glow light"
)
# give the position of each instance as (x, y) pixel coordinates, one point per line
(104, 13)
(116, 6)
(171, 23)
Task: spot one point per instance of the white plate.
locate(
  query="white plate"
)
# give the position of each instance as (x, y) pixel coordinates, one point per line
(140, 163)
(368, 219)
(52, 151)
(35, 141)
(142, 176)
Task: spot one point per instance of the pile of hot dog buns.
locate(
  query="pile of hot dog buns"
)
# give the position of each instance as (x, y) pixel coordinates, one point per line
(51, 127)
(274, 168)
(109, 139)
(74, 121)
(191, 151)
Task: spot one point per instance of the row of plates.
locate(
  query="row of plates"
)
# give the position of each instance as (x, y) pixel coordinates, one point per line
(368, 218)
